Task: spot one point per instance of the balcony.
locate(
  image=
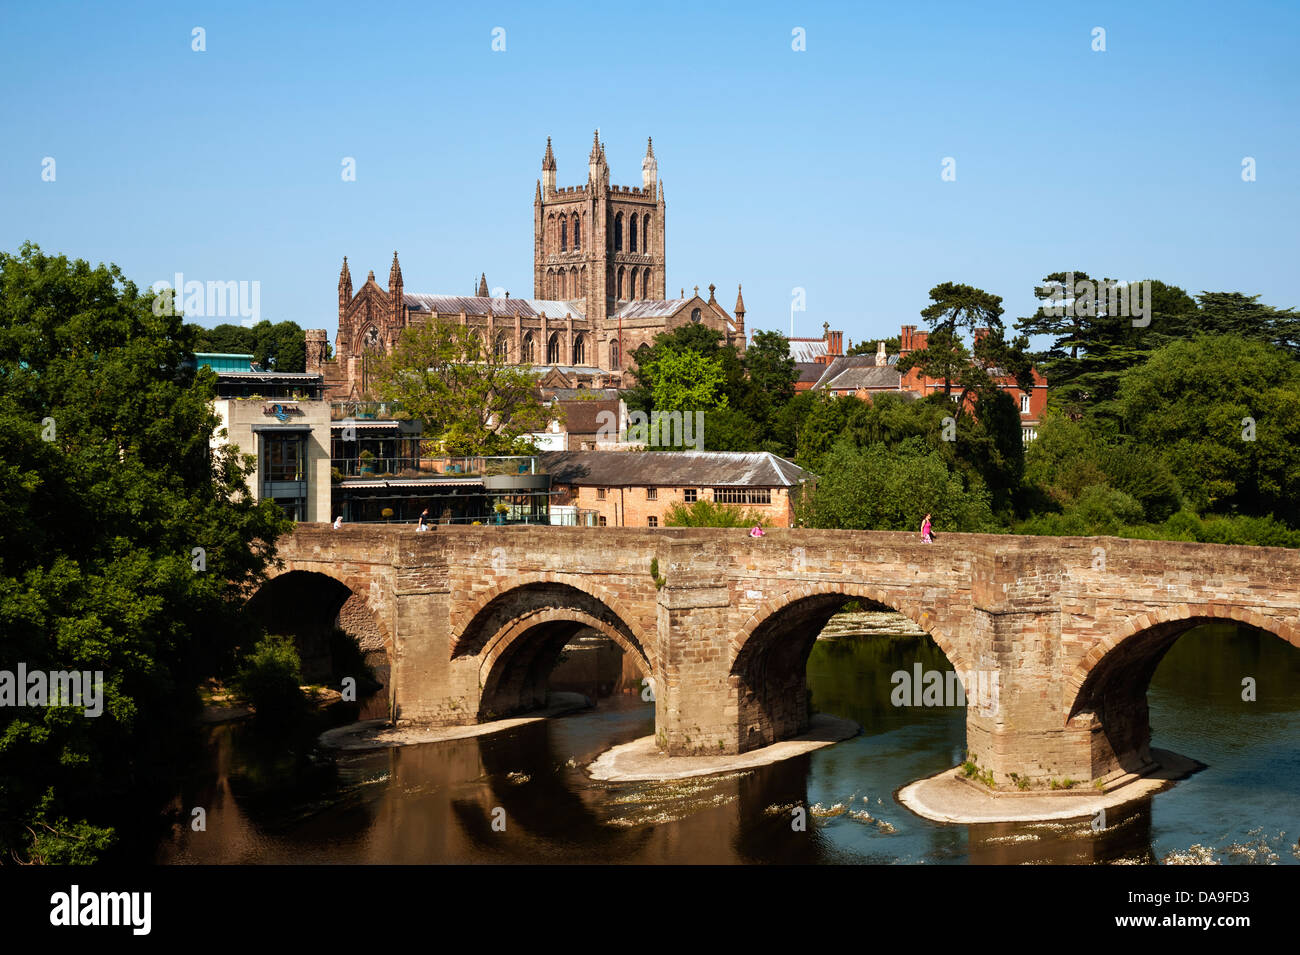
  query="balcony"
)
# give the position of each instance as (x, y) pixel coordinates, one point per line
(512, 472)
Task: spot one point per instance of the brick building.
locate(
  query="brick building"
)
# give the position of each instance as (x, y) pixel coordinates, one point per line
(599, 274)
(636, 489)
(865, 375)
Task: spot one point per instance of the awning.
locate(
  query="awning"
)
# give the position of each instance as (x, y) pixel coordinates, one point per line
(282, 428)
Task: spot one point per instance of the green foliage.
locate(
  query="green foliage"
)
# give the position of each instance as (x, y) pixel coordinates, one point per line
(1224, 414)
(280, 347)
(269, 679)
(98, 526)
(654, 572)
(893, 488)
(687, 380)
(470, 400)
(705, 513)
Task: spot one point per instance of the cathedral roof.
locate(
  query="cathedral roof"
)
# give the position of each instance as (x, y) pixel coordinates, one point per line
(475, 305)
(650, 308)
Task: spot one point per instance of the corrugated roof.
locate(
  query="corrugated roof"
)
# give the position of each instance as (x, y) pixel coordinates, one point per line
(807, 349)
(507, 307)
(650, 308)
(672, 469)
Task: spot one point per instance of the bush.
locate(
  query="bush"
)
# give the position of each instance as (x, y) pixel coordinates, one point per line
(270, 676)
(709, 514)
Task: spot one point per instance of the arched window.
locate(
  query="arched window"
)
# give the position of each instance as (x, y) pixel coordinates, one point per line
(618, 232)
(695, 315)
(526, 349)
(560, 289)
(631, 285)
(645, 284)
(613, 354)
(645, 233)
(579, 351)
(577, 234)
(575, 289)
(632, 232)
(550, 231)
(619, 296)
(553, 349)
(564, 234)
(503, 346)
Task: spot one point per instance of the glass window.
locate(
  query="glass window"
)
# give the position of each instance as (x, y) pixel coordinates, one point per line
(652, 494)
(652, 521)
(688, 495)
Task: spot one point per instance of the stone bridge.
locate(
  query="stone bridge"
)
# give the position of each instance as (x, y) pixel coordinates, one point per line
(473, 618)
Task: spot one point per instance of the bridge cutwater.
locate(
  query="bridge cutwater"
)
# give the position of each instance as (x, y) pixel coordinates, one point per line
(473, 618)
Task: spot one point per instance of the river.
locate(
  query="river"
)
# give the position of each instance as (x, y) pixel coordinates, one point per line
(522, 796)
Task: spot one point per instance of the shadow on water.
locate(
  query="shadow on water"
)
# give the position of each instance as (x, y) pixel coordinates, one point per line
(272, 800)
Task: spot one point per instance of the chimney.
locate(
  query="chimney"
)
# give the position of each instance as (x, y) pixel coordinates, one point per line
(905, 339)
(834, 344)
(881, 357)
(920, 340)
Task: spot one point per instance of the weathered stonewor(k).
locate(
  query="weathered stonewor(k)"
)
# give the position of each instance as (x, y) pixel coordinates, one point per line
(472, 619)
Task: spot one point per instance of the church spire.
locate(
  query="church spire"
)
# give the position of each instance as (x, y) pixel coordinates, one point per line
(482, 285)
(395, 275)
(740, 304)
(345, 288)
(597, 167)
(649, 167)
(547, 185)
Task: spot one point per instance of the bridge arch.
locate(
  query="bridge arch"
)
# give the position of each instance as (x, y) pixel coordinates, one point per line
(464, 622)
(517, 636)
(308, 601)
(1107, 690)
(769, 654)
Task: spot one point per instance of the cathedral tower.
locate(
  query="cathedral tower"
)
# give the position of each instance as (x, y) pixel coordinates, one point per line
(598, 244)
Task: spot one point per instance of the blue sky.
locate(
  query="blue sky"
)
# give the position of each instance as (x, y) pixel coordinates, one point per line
(817, 169)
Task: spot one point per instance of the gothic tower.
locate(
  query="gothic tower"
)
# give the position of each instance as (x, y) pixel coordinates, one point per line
(598, 244)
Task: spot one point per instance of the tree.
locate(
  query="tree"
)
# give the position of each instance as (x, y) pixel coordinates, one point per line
(685, 380)
(954, 308)
(771, 376)
(281, 347)
(1223, 413)
(127, 546)
(470, 399)
(881, 488)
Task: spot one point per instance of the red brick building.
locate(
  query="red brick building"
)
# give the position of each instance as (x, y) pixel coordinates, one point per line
(865, 375)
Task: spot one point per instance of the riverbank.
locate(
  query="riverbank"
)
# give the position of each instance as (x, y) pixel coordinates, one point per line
(380, 734)
(642, 761)
(949, 797)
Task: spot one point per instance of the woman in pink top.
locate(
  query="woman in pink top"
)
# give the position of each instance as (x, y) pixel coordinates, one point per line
(925, 530)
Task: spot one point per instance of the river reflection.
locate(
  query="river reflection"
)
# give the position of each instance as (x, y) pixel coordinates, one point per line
(523, 796)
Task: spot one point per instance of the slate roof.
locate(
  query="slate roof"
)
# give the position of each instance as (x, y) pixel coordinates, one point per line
(859, 371)
(650, 308)
(583, 416)
(809, 370)
(673, 469)
(509, 307)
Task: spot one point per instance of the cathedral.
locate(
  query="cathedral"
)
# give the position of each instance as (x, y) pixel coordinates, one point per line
(599, 291)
